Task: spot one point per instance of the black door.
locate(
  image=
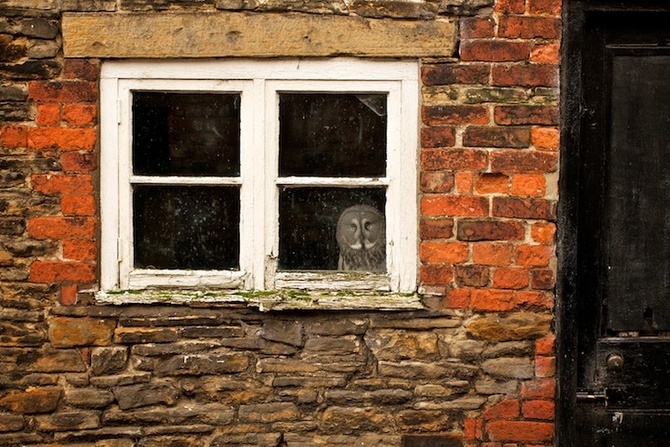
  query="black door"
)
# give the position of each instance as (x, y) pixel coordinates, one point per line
(617, 289)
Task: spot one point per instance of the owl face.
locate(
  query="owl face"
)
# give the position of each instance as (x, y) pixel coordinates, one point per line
(361, 227)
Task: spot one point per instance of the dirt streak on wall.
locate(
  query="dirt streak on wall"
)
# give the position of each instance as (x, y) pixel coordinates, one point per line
(475, 368)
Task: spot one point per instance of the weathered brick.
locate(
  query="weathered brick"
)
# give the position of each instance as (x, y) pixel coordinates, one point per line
(492, 300)
(473, 206)
(56, 227)
(534, 255)
(545, 137)
(447, 74)
(527, 161)
(56, 271)
(539, 389)
(443, 252)
(523, 431)
(464, 182)
(454, 159)
(489, 230)
(534, 75)
(458, 298)
(522, 114)
(545, 366)
(545, 345)
(534, 300)
(437, 181)
(545, 53)
(82, 69)
(508, 137)
(455, 114)
(511, 6)
(79, 115)
(472, 429)
(477, 28)
(505, 409)
(472, 275)
(542, 279)
(523, 208)
(510, 278)
(538, 409)
(14, 136)
(487, 253)
(78, 205)
(548, 7)
(436, 274)
(432, 137)
(78, 250)
(436, 228)
(69, 332)
(495, 51)
(48, 115)
(63, 92)
(529, 27)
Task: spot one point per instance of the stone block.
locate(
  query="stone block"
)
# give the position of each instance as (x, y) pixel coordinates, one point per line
(396, 345)
(68, 421)
(266, 413)
(11, 422)
(350, 420)
(110, 360)
(514, 326)
(70, 332)
(32, 400)
(510, 367)
(88, 398)
(134, 396)
(224, 363)
(282, 331)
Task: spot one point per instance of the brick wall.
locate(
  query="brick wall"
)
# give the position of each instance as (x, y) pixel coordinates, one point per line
(476, 368)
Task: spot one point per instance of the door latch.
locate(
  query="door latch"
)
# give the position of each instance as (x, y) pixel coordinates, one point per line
(592, 396)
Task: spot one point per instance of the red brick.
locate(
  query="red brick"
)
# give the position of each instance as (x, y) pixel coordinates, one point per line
(454, 159)
(545, 54)
(78, 250)
(529, 27)
(534, 300)
(539, 389)
(523, 208)
(505, 409)
(510, 6)
(545, 366)
(472, 428)
(510, 278)
(78, 205)
(443, 252)
(432, 137)
(543, 232)
(510, 137)
(529, 185)
(549, 7)
(534, 255)
(538, 409)
(63, 92)
(545, 345)
(494, 51)
(542, 279)
(522, 431)
(490, 253)
(436, 228)
(489, 230)
(437, 181)
(492, 300)
(14, 136)
(471, 275)
(55, 227)
(79, 115)
(56, 271)
(65, 139)
(463, 182)
(534, 75)
(447, 74)
(492, 183)
(473, 206)
(78, 161)
(436, 274)
(48, 115)
(68, 294)
(455, 114)
(477, 28)
(545, 137)
(529, 161)
(84, 69)
(521, 114)
(63, 184)
(458, 299)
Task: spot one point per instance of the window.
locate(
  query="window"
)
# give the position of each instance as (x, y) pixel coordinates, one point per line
(259, 175)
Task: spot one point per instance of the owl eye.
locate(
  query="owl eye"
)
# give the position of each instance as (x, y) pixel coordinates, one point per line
(368, 225)
(353, 226)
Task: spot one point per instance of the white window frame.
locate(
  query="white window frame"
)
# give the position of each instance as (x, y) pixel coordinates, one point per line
(259, 82)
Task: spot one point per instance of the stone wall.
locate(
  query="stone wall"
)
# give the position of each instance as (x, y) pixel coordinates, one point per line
(475, 368)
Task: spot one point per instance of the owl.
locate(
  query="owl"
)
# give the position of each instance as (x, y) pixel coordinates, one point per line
(361, 236)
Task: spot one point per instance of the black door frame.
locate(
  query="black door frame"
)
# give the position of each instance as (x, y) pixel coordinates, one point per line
(575, 13)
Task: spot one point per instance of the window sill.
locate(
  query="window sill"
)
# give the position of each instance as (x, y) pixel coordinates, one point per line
(269, 300)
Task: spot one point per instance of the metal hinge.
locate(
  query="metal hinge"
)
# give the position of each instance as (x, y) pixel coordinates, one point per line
(592, 396)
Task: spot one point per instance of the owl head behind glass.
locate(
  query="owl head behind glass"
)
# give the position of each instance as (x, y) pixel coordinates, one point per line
(361, 236)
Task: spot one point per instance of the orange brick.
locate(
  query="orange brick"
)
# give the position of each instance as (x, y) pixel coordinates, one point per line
(505, 409)
(78, 161)
(545, 54)
(14, 136)
(535, 300)
(57, 271)
(492, 300)
(68, 295)
(436, 274)
(545, 345)
(533, 255)
(63, 184)
(55, 227)
(79, 115)
(529, 185)
(491, 183)
(65, 139)
(543, 232)
(448, 206)
(472, 429)
(522, 431)
(538, 409)
(79, 250)
(48, 115)
(539, 389)
(464, 182)
(545, 366)
(545, 137)
(78, 205)
(492, 253)
(510, 278)
(458, 298)
(443, 252)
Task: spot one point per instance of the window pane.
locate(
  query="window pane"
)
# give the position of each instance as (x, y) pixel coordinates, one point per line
(332, 135)
(308, 223)
(194, 134)
(186, 227)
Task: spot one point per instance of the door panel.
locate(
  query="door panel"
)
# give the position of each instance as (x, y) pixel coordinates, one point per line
(622, 304)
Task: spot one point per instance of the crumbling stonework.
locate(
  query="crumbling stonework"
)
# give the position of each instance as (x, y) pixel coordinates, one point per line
(475, 368)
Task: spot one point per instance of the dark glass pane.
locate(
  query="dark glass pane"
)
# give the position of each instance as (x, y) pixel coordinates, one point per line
(638, 195)
(195, 134)
(332, 135)
(308, 222)
(186, 227)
